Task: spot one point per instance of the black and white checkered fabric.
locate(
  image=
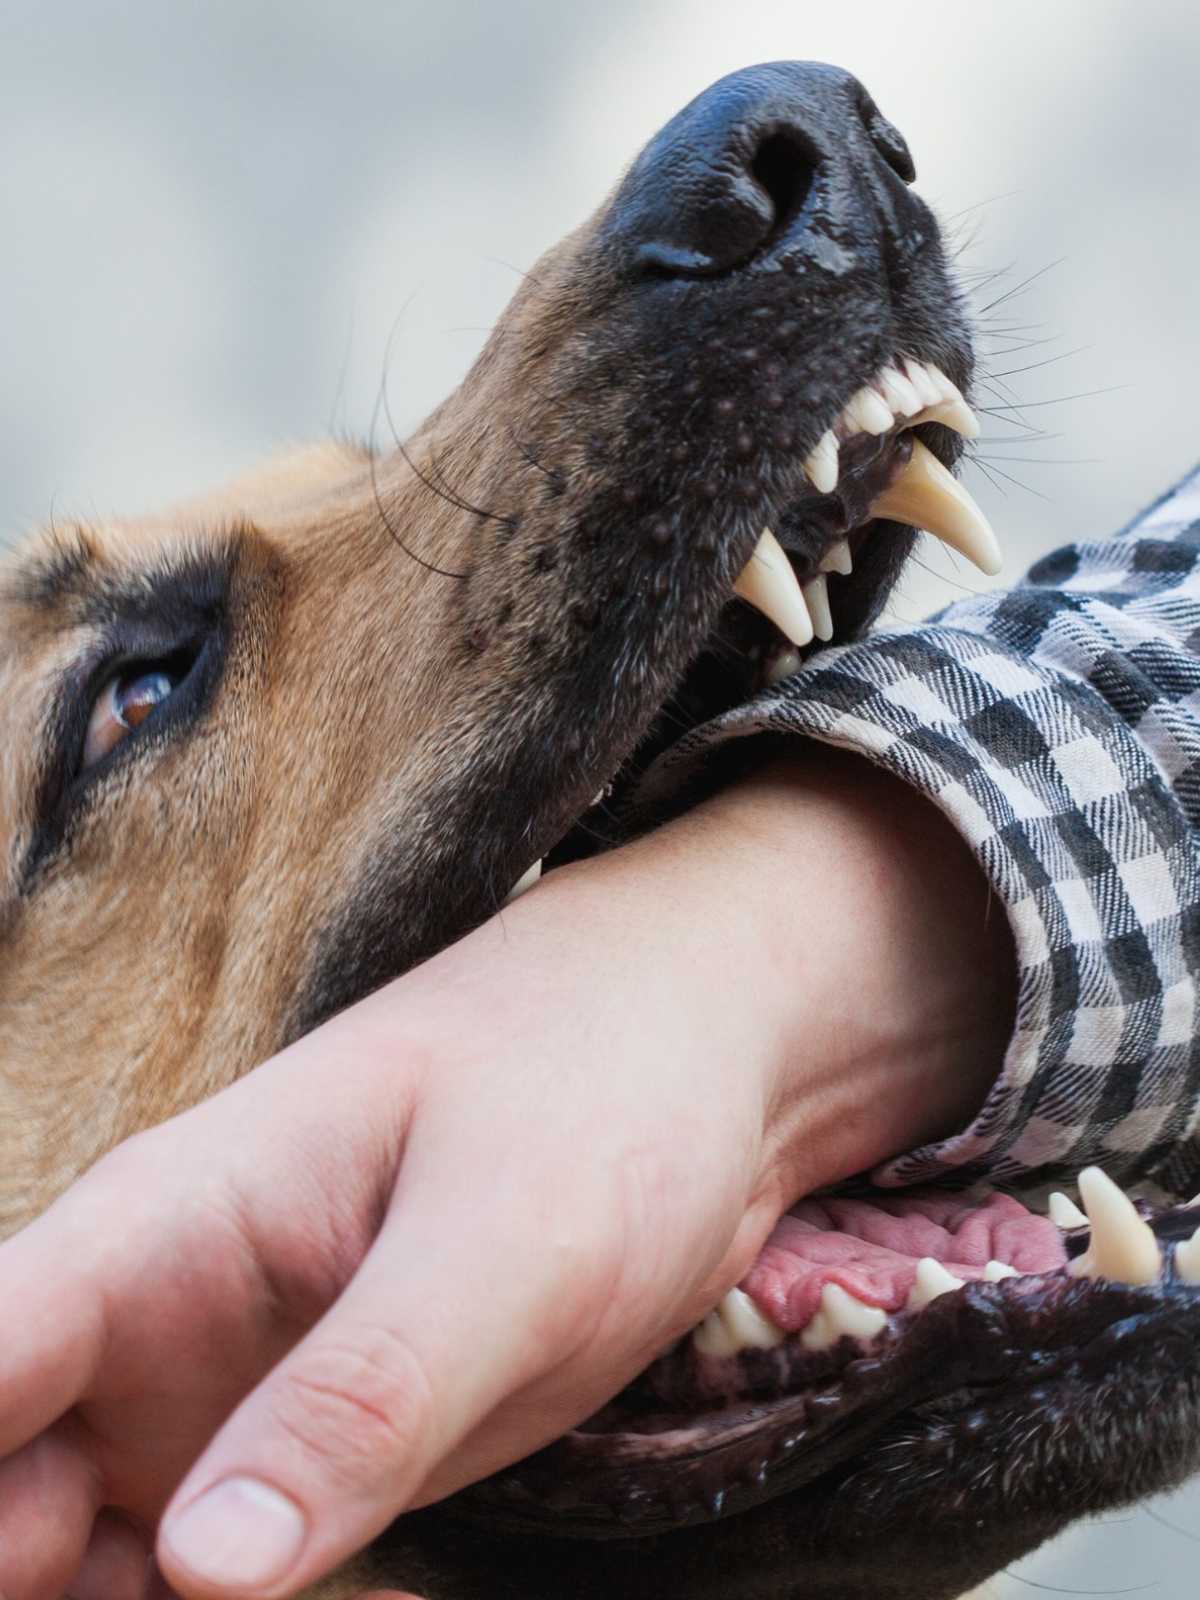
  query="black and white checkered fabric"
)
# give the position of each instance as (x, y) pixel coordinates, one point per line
(1057, 725)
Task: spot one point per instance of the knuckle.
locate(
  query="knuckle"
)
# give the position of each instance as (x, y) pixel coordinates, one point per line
(353, 1407)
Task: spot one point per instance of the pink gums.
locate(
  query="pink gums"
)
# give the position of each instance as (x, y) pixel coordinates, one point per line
(871, 1248)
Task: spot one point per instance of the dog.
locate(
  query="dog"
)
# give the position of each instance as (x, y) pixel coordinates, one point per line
(273, 748)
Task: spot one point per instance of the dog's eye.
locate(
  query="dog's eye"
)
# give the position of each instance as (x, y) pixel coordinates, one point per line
(124, 704)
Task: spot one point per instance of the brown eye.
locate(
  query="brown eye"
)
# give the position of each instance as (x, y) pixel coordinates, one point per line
(123, 705)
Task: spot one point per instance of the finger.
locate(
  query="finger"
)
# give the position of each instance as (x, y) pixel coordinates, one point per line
(116, 1562)
(50, 1350)
(452, 1310)
(49, 1495)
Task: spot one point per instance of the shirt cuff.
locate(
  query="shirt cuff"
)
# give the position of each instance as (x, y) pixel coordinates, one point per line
(1088, 851)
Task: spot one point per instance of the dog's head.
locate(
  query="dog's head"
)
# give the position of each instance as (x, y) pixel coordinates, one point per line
(273, 748)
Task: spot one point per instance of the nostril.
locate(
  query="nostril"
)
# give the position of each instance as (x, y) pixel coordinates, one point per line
(784, 167)
(889, 142)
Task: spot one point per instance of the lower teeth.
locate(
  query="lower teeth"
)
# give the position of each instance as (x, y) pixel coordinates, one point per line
(1123, 1249)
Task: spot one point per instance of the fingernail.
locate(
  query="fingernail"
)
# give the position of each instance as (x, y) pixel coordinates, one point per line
(241, 1532)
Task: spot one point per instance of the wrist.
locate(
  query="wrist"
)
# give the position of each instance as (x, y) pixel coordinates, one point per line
(897, 958)
(837, 919)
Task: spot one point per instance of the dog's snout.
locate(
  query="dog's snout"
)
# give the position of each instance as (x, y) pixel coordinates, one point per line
(752, 164)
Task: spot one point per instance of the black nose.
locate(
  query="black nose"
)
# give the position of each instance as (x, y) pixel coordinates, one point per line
(754, 163)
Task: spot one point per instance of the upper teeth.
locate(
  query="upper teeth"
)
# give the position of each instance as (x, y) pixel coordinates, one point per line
(910, 392)
(928, 496)
(1123, 1247)
(925, 495)
(816, 598)
(821, 463)
(769, 584)
(837, 559)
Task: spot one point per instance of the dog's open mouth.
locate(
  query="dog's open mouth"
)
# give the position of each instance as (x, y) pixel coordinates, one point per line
(769, 417)
(876, 470)
(870, 467)
(916, 1322)
(930, 1319)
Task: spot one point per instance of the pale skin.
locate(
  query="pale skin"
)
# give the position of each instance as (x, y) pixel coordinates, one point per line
(441, 1230)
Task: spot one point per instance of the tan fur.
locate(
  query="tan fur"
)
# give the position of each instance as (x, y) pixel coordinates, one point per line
(148, 970)
(161, 956)
(435, 657)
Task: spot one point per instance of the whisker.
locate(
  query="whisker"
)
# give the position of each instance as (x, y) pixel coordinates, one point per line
(381, 402)
(1059, 400)
(1157, 1516)
(1021, 287)
(1049, 362)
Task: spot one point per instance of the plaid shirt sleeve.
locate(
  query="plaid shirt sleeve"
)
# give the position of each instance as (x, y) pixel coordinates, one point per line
(1057, 725)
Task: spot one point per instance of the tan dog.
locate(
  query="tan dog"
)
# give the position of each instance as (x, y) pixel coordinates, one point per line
(373, 672)
(266, 750)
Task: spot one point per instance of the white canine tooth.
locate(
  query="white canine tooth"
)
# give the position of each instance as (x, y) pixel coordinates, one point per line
(816, 597)
(769, 584)
(927, 496)
(1064, 1213)
(736, 1324)
(1187, 1259)
(785, 664)
(525, 881)
(997, 1271)
(869, 411)
(898, 392)
(955, 414)
(821, 463)
(837, 559)
(1123, 1248)
(932, 1281)
(841, 1314)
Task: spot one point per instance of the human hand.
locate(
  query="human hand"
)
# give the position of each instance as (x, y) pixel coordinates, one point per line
(435, 1234)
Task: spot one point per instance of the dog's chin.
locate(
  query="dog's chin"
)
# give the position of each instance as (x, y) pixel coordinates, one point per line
(957, 1356)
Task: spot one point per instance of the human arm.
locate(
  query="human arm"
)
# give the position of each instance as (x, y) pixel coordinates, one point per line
(462, 1214)
(1056, 725)
(1096, 656)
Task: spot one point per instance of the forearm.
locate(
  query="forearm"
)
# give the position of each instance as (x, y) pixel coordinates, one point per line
(896, 959)
(838, 914)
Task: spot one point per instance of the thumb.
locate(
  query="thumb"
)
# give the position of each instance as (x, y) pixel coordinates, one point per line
(452, 1311)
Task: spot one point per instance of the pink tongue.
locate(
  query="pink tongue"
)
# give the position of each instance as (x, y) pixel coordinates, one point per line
(871, 1248)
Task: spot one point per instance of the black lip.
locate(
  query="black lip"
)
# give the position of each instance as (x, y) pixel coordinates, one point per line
(1040, 1348)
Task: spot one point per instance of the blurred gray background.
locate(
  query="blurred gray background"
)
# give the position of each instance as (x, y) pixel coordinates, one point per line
(216, 215)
